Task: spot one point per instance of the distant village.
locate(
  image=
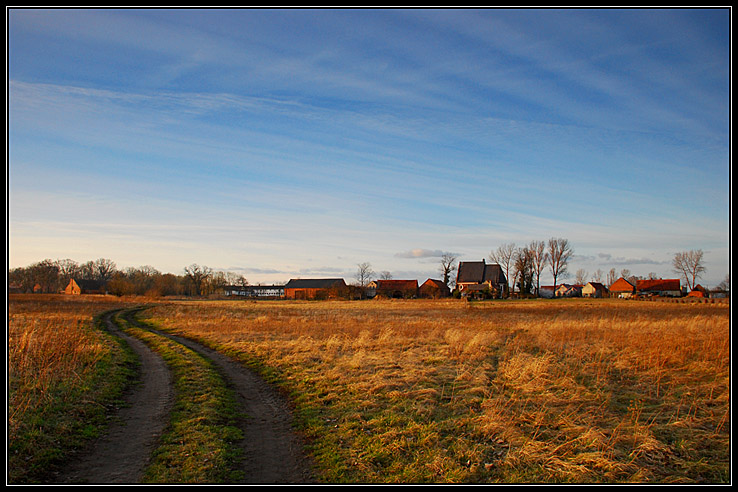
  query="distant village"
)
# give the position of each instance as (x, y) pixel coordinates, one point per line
(474, 280)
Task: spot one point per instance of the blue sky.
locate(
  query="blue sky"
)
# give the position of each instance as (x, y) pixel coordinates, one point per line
(299, 143)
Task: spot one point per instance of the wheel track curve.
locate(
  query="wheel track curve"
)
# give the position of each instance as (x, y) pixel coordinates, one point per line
(121, 455)
(273, 452)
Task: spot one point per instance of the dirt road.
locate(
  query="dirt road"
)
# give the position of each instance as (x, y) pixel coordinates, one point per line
(273, 453)
(121, 455)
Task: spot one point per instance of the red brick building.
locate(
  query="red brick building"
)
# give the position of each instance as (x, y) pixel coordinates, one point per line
(320, 288)
(434, 289)
(394, 289)
(622, 288)
(662, 287)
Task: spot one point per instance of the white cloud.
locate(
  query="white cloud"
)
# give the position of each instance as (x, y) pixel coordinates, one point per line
(421, 253)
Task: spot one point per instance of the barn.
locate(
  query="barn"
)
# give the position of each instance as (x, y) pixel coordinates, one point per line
(79, 286)
(662, 287)
(434, 289)
(699, 291)
(394, 289)
(316, 288)
(622, 288)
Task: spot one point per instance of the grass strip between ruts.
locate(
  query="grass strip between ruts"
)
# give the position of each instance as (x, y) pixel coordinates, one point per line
(198, 445)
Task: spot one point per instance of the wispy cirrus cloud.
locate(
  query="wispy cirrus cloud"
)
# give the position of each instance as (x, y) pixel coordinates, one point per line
(609, 259)
(358, 134)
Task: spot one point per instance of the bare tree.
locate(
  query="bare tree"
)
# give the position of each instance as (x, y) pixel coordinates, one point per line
(725, 284)
(689, 265)
(539, 258)
(611, 277)
(581, 276)
(364, 274)
(504, 256)
(559, 254)
(385, 275)
(142, 278)
(67, 269)
(198, 277)
(597, 276)
(87, 270)
(103, 269)
(45, 276)
(217, 282)
(523, 270)
(236, 279)
(448, 265)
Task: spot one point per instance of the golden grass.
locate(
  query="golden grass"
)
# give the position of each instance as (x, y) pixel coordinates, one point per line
(526, 391)
(50, 343)
(440, 391)
(61, 370)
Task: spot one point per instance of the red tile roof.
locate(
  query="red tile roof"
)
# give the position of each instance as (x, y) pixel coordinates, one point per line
(621, 285)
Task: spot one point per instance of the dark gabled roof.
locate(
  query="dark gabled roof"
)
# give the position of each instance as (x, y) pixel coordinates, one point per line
(314, 283)
(597, 285)
(433, 282)
(85, 284)
(480, 272)
(396, 284)
(657, 285)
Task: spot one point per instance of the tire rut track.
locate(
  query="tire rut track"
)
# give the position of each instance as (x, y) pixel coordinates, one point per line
(121, 455)
(273, 452)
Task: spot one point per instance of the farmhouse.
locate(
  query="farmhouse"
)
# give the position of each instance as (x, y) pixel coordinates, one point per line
(79, 286)
(594, 289)
(659, 287)
(475, 275)
(394, 289)
(699, 291)
(320, 288)
(568, 290)
(622, 288)
(433, 289)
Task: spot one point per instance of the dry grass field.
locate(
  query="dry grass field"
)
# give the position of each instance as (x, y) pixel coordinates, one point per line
(50, 343)
(535, 391)
(62, 371)
(505, 391)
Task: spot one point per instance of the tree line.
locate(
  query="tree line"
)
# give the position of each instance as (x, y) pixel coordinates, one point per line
(525, 264)
(52, 276)
(522, 266)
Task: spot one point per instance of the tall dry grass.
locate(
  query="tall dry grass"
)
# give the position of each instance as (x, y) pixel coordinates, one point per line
(49, 345)
(54, 363)
(528, 391)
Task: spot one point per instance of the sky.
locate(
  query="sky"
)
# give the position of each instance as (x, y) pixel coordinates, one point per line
(291, 143)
